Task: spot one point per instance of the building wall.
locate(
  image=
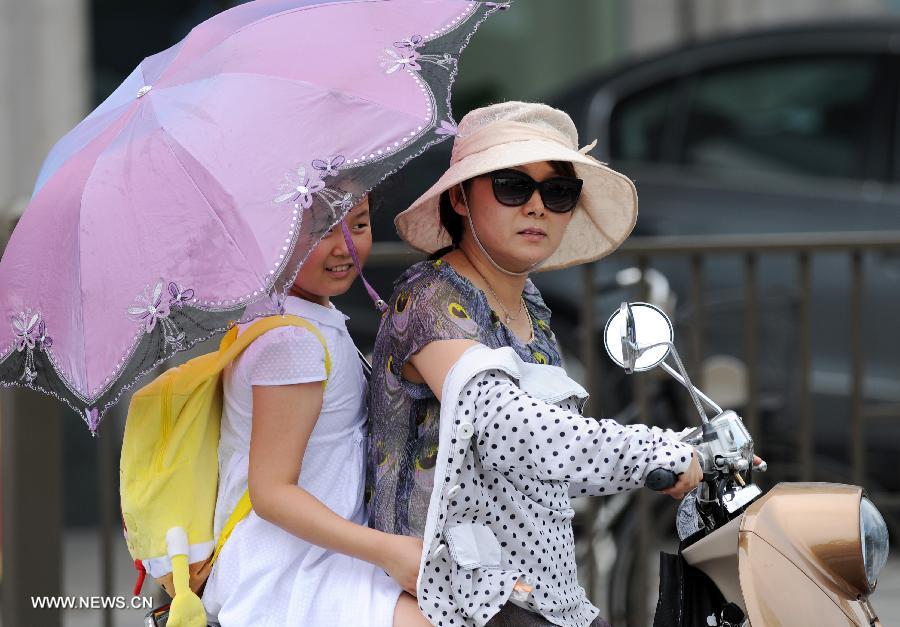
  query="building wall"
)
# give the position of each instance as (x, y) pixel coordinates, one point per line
(45, 85)
(652, 24)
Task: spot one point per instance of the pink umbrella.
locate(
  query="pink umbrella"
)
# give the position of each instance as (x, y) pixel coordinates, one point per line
(190, 197)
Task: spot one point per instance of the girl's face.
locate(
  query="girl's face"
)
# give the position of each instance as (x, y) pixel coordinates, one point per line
(517, 238)
(329, 269)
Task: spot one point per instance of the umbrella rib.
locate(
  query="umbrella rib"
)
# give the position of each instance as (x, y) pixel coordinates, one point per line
(167, 138)
(83, 334)
(81, 208)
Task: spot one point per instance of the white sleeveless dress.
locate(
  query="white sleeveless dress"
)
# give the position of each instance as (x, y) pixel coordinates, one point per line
(264, 575)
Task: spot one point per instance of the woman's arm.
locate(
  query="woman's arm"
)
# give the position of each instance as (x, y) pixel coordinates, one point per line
(283, 420)
(432, 364)
(554, 444)
(586, 488)
(520, 434)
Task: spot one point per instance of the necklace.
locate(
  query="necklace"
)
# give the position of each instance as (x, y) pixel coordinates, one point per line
(507, 317)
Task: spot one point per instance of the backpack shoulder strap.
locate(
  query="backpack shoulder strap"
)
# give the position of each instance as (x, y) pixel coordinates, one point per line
(229, 351)
(233, 344)
(239, 513)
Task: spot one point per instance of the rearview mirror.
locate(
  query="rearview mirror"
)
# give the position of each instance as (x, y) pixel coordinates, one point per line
(637, 325)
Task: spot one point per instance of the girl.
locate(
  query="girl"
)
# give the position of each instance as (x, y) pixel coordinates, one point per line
(476, 447)
(304, 555)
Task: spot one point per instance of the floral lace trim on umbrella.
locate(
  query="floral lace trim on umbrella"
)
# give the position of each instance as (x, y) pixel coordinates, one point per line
(154, 308)
(447, 128)
(406, 56)
(30, 334)
(300, 188)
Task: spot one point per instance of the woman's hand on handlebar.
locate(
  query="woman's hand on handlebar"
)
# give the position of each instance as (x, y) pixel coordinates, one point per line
(687, 481)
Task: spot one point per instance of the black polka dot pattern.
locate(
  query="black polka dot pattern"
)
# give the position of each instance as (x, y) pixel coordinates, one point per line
(511, 465)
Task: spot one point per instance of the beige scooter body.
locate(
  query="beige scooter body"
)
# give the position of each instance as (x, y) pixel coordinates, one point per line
(793, 558)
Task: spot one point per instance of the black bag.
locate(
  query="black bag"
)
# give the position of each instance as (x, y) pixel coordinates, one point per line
(688, 598)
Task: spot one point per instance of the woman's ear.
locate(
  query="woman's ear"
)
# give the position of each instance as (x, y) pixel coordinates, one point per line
(456, 200)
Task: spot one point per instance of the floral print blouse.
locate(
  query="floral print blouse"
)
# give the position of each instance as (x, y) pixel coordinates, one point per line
(431, 302)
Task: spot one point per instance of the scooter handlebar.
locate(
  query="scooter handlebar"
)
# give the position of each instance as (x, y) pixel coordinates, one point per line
(660, 479)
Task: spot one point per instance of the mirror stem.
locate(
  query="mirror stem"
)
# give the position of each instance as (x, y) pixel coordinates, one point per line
(703, 397)
(686, 382)
(681, 376)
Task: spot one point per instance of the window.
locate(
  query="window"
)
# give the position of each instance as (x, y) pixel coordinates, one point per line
(639, 124)
(804, 116)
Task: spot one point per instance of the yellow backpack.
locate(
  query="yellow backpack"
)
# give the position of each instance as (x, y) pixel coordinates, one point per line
(169, 471)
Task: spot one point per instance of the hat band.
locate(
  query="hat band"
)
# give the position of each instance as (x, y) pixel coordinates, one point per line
(503, 132)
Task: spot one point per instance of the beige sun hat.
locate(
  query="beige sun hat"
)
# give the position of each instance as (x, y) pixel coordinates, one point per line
(517, 133)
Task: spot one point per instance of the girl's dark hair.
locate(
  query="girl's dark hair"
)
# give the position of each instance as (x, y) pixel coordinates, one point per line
(453, 222)
(381, 193)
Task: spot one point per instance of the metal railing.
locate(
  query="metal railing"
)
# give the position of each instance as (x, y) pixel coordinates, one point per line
(802, 247)
(697, 251)
(21, 566)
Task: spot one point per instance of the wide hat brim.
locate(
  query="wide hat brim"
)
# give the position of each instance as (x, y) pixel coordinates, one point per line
(605, 215)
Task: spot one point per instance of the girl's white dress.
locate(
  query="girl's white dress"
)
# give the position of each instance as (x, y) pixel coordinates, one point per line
(264, 575)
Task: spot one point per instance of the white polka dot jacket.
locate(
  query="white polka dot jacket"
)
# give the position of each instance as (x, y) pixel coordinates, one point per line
(513, 447)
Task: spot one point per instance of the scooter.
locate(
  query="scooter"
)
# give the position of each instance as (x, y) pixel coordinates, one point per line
(801, 554)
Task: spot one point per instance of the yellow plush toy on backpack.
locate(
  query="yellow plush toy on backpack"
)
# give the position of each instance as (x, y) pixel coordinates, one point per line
(169, 471)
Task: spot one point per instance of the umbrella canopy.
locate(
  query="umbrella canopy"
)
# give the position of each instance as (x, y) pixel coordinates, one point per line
(188, 200)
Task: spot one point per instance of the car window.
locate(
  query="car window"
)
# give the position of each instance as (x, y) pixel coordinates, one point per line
(640, 124)
(806, 116)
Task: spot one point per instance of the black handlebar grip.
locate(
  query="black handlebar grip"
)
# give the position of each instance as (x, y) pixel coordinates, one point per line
(661, 479)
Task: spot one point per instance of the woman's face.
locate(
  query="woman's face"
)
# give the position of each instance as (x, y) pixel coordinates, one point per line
(517, 238)
(329, 269)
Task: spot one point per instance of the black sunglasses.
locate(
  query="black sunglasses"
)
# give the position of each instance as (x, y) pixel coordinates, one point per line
(514, 188)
